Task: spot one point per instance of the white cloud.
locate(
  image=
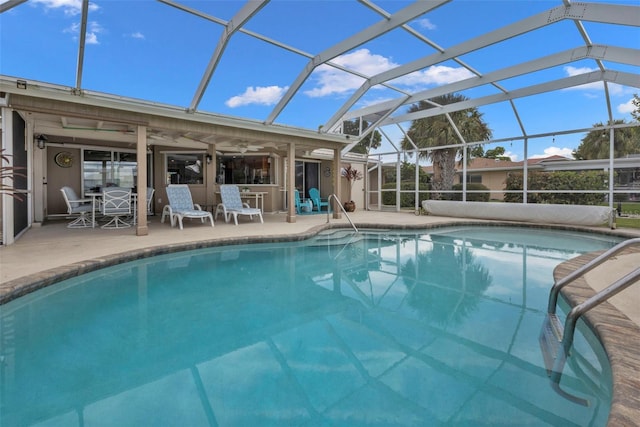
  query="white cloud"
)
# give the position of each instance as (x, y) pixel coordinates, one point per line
(434, 75)
(92, 32)
(573, 71)
(91, 38)
(512, 156)
(93, 29)
(627, 107)
(426, 24)
(69, 7)
(137, 35)
(555, 151)
(614, 89)
(333, 81)
(257, 95)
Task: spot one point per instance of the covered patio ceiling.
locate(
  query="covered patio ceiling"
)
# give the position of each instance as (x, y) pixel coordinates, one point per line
(526, 81)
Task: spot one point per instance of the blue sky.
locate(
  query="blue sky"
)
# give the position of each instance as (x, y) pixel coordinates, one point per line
(149, 50)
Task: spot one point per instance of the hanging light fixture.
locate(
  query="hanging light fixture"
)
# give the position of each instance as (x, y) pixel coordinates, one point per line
(41, 141)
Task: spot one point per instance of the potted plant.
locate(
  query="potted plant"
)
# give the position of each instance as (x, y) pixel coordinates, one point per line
(352, 175)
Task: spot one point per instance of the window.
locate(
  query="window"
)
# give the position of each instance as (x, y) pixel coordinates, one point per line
(474, 179)
(245, 170)
(185, 168)
(108, 169)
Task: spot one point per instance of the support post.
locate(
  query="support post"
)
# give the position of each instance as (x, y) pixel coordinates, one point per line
(291, 183)
(142, 228)
(336, 182)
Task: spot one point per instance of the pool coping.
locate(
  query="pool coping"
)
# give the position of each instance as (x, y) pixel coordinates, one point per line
(611, 326)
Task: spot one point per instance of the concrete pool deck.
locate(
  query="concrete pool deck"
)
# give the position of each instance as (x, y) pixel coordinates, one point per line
(51, 252)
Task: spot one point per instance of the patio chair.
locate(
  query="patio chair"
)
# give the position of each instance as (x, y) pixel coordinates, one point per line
(232, 204)
(148, 203)
(116, 203)
(181, 206)
(150, 192)
(302, 206)
(318, 203)
(77, 206)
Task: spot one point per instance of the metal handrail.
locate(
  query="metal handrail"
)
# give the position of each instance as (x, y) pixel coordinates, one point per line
(577, 311)
(343, 210)
(568, 331)
(555, 289)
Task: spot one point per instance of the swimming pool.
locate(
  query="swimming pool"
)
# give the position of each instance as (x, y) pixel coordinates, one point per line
(437, 327)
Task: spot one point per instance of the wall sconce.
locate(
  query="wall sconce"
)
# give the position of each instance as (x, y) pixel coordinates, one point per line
(41, 141)
(209, 159)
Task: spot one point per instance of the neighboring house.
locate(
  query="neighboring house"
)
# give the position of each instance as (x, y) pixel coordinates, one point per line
(493, 173)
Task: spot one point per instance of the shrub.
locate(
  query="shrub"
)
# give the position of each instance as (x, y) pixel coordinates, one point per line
(471, 197)
(407, 200)
(561, 180)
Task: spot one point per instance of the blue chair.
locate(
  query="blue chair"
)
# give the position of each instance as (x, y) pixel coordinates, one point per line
(181, 206)
(302, 206)
(318, 203)
(232, 204)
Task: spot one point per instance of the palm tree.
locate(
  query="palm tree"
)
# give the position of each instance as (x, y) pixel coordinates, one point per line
(437, 131)
(595, 145)
(8, 172)
(371, 141)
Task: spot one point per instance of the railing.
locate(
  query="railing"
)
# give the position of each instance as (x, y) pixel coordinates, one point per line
(339, 203)
(556, 340)
(555, 290)
(577, 311)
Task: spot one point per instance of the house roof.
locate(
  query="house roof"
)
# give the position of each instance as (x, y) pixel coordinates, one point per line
(484, 164)
(550, 163)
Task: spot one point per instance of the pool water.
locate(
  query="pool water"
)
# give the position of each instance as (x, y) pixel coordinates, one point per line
(385, 328)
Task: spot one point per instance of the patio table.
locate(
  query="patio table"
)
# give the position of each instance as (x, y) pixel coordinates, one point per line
(95, 197)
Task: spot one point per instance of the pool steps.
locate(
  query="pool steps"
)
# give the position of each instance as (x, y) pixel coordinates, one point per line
(555, 339)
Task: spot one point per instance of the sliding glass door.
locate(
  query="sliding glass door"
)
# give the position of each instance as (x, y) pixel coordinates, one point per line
(108, 169)
(307, 176)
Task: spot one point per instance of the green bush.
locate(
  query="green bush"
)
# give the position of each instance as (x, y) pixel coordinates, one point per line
(471, 197)
(560, 180)
(407, 200)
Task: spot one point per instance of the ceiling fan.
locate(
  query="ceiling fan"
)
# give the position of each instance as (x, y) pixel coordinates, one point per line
(242, 146)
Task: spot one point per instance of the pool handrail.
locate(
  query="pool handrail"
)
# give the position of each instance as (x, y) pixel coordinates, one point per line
(605, 256)
(339, 203)
(556, 340)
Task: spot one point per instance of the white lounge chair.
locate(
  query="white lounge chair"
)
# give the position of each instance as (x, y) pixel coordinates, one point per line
(181, 206)
(77, 206)
(232, 204)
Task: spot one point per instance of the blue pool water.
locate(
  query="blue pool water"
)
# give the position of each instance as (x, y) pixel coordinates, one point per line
(429, 328)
